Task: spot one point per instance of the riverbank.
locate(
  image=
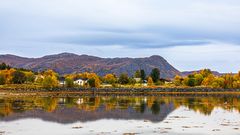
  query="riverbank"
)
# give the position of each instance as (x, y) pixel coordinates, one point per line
(116, 91)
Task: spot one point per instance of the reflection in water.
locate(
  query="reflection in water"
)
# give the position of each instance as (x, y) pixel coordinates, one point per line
(72, 109)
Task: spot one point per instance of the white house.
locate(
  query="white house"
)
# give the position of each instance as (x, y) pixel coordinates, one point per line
(137, 80)
(80, 82)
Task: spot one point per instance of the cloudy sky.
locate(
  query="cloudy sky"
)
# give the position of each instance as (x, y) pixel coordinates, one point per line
(190, 34)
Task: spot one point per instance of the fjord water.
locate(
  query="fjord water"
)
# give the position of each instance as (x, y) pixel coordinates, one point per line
(174, 115)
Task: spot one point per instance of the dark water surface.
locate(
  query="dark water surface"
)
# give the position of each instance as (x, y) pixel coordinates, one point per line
(198, 115)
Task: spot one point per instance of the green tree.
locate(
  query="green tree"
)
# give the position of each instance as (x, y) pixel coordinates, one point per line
(143, 74)
(132, 81)
(198, 79)
(123, 79)
(92, 77)
(91, 82)
(137, 74)
(18, 77)
(191, 82)
(4, 66)
(69, 82)
(155, 74)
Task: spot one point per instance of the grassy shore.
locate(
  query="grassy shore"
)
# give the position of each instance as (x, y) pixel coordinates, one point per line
(36, 90)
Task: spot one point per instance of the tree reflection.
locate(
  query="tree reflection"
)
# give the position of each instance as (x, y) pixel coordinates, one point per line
(141, 105)
(155, 107)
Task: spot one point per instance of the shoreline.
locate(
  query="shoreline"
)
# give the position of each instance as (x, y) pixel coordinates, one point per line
(119, 92)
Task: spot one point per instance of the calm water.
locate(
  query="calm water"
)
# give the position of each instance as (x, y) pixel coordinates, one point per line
(120, 115)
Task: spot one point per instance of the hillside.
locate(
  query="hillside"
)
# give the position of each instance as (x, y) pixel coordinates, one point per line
(186, 73)
(66, 63)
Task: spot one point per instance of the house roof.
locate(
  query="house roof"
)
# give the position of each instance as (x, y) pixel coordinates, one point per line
(84, 79)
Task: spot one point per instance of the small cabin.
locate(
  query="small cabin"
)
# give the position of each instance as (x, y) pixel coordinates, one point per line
(80, 82)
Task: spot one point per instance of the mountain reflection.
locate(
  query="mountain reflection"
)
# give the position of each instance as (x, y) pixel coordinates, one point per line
(73, 109)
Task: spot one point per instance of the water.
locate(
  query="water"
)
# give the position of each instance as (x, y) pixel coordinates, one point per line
(171, 115)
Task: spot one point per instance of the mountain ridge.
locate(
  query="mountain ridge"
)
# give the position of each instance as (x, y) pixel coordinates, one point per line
(65, 63)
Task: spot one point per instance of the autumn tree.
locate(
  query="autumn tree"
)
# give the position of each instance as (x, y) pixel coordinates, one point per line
(110, 78)
(93, 80)
(198, 79)
(218, 82)
(205, 72)
(155, 74)
(30, 77)
(207, 81)
(178, 80)
(8, 74)
(150, 81)
(50, 79)
(18, 77)
(228, 81)
(236, 82)
(2, 79)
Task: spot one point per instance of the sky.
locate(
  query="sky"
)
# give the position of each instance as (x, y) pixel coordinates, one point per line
(189, 34)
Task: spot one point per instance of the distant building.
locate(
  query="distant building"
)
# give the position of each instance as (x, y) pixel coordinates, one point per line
(137, 79)
(166, 81)
(106, 85)
(144, 83)
(62, 81)
(80, 82)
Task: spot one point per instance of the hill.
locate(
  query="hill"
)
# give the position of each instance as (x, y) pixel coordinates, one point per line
(66, 63)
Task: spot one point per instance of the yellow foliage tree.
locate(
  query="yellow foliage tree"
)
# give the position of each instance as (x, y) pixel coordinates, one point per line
(7, 73)
(110, 78)
(178, 80)
(208, 80)
(50, 79)
(150, 81)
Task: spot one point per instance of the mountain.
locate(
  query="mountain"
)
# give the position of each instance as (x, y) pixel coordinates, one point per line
(186, 73)
(68, 115)
(66, 63)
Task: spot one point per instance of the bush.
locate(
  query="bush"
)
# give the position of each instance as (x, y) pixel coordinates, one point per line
(123, 79)
(2, 79)
(18, 77)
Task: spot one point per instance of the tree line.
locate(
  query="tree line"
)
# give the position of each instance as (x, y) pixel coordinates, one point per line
(206, 78)
(50, 79)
